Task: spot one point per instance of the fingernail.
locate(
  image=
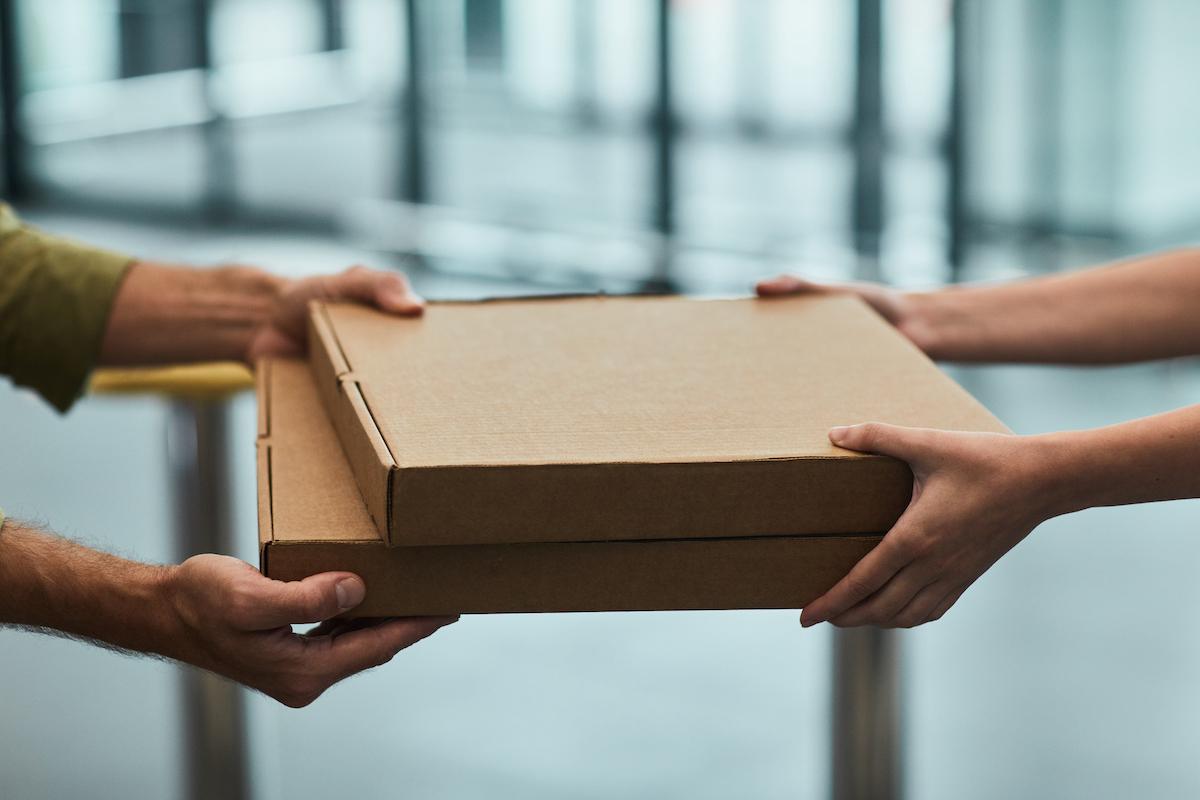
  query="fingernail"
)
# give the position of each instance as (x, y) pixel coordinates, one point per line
(836, 435)
(350, 593)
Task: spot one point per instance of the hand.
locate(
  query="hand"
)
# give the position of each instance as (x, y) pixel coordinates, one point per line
(237, 623)
(284, 332)
(975, 496)
(898, 308)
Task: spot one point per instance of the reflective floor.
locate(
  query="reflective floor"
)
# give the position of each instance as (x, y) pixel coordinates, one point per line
(1069, 671)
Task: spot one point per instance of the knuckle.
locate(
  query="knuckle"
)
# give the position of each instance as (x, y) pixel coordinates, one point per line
(241, 602)
(870, 433)
(857, 587)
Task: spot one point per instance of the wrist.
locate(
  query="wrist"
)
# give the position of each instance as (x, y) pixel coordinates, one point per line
(177, 621)
(939, 323)
(1060, 463)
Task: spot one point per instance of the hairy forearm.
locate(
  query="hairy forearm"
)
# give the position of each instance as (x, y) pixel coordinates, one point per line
(49, 582)
(1138, 310)
(1142, 461)
(171, 314)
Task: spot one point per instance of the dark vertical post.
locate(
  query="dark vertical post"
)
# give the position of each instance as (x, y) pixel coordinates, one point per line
(664, 125)
(663, 129)
(16, 176)
(866, 715)
(868, 133)
(413, 188)
(957, 202)
(215, 739)
(332, 34)
(584, 37)
(220, 193)
(1045, 102)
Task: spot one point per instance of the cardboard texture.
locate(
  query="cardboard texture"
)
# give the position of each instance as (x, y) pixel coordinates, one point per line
(312, 519)
(624, 418)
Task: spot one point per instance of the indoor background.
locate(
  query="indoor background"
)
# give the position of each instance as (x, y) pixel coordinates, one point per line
(513, 146)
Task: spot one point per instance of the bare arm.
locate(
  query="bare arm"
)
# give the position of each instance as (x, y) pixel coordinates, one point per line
(1138, 310)
(172, 314)
(976, 496)
(214, 612)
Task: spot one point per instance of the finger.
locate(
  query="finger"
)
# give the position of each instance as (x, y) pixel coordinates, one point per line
(920, 609)
(947, 603)
(784, 285)
(906, 444)
(272, 604)
(874, 570)
(388, 291)
(881, 607)
(350, 653)
(340, 625)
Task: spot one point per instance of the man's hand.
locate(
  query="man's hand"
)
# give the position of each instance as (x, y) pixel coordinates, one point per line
(165, 314)
(283, 334)
(975, 496)
(237, 623)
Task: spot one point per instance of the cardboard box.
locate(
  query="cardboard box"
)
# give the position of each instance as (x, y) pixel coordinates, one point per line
(313, 519)
(624, 418)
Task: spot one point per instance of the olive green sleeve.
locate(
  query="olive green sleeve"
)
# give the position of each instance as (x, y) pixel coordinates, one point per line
(55, 296)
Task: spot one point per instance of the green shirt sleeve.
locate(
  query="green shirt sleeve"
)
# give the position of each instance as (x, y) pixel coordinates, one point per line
(55, 296)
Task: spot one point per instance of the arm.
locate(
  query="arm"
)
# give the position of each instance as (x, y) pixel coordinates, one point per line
(214, 612)
(976, 495)
(1137, 310)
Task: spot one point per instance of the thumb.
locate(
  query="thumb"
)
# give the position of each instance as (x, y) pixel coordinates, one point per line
(314, 599)
(906, 444)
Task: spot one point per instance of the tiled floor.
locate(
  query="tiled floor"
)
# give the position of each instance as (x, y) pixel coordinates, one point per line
(1068, 671)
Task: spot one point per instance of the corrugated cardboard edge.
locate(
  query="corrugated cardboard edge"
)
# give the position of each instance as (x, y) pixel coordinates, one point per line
(361, 439)
(262, 446)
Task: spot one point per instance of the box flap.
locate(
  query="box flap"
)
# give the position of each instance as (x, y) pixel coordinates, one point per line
(298, 499)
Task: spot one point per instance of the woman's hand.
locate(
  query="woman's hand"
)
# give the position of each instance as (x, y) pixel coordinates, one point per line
(975, 496)
(901, 309)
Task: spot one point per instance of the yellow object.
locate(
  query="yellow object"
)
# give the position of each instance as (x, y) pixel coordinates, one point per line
(215, 379)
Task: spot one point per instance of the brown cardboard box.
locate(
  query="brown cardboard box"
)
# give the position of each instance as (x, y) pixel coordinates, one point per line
(624, 418)
(312, 519)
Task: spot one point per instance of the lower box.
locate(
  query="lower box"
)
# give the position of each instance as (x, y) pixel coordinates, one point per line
(313, 519)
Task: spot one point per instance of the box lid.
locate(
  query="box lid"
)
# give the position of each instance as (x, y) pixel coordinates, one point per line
(601, 418)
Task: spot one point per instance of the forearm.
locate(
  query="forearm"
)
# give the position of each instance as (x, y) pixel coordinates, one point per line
(169, 314)
(49, 582)
(1146, 460)
(1143, 309)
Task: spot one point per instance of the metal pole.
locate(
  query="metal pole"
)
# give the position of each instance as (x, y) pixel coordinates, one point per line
(413, 187)
(213, 711)
(866, 715)
(957, 202)
(16, 177)
(220, 193)
(664, 131)
(1045, 104)
(868, 134)
(332, 34)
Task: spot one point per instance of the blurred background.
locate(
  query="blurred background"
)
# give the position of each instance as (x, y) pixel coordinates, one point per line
(514, 146)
